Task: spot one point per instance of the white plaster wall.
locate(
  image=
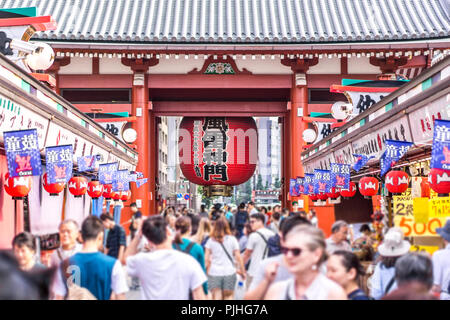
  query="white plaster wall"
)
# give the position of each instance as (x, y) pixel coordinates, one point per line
(113, 66)
(176, 66)
(361, 66)
(260, 66)
(326, 66)
(78, 65)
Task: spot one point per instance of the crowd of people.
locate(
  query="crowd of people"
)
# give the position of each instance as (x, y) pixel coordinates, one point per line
(222, 254)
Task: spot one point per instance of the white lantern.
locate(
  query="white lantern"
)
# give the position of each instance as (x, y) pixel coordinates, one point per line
(42, 58)
(341, 110)
(309, 135)
(129, 135)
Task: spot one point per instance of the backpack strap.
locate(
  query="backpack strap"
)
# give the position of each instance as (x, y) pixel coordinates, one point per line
(189, 247)
(228, 255)
(389, 285)
(267, 243)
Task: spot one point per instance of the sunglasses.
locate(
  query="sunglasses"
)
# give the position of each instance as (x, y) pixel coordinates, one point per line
(295, 251)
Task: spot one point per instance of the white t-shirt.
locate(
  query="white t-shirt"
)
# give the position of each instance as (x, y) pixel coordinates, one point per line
(220, 263)
(166, 274)
(257, 244)
(59, 253)
(118, 281)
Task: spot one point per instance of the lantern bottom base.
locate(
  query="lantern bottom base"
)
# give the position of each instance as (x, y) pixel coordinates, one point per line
(218, 190)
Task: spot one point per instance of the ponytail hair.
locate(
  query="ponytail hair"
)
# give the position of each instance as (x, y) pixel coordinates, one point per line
(182, 225)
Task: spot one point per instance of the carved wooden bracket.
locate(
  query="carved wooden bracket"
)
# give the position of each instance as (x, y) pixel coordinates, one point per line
(140, 65)
(388, 65)
(58, 63)
(300, 65)
(219, 66)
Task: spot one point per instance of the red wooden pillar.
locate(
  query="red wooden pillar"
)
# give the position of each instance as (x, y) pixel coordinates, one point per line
(299, 109)
(145, 127)
(286, 169)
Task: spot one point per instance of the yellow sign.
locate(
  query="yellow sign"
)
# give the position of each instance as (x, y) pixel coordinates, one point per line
(439, 207)
(420, 210)
(429, 249)
(403, 205)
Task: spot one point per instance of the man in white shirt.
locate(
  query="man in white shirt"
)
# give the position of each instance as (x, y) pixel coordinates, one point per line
(338, 239)
(251, 208)
(164, 273)
(257, 245)
(68, 234)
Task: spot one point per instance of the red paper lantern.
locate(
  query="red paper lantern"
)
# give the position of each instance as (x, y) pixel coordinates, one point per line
(125, 196)
(322, 196)
(439, 180)
(78, 186)
(54, 188)
(397, 181)
(368, 186)
(17, 187)
(107, 191)
(350, 192)
(314, 197)
(115, 195)
(95, 189)
(218, 151)
(334, 194)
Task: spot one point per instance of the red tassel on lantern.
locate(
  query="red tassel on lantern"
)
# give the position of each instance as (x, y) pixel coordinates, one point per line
(95, 189)
(350, 192)
(368, 186)
(54, 188)
(397, 181)
(78, 186)
(439, 180)
(17, 187)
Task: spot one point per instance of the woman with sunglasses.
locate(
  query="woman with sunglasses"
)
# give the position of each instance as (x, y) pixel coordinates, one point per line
(304, 252)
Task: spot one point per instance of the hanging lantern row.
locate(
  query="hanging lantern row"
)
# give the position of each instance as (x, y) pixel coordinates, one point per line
(19, 187)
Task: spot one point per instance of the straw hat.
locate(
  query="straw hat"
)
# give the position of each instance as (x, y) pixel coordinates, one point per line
(394, 244)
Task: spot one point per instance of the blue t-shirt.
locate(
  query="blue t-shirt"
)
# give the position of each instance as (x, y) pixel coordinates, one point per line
(95, 272)
(358, 294)
(198, 254)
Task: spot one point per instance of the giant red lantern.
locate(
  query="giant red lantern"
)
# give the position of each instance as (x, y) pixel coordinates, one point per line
(78, 186)
(53, 188)
(95, 189)
(439, 180)
(334, 194)
(368, 186)
(350, 192)
(218, 153)
(17, 187)
(397, 181)
(107, 191)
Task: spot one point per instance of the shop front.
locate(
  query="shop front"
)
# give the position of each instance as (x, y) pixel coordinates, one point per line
(28, 104)
(389, 148)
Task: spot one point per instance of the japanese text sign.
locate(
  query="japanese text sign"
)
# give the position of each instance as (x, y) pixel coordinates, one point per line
(121, 182)
(299, 188)
(322, 181)
(59, 162)
(340, 176)
(440, 154)
(308, 184)
(361, 160)
(86, 163)
(106, 172)
(439, 207)
(394, 151)
(22, 152)
(292, 191)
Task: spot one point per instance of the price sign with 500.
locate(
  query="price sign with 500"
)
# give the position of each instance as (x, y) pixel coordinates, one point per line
(404, 218)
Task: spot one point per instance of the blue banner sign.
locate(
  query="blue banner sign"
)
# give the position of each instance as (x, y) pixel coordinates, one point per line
(106, 172)
(361, 161)
(394, 151)
(121, 182)
(322, 181)
(59, 163)
(340, 175)
(22, 153)
(308, 184)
